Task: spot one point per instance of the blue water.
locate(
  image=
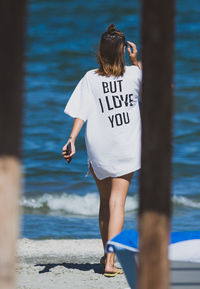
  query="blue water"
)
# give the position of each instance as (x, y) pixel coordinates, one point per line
(62, 38)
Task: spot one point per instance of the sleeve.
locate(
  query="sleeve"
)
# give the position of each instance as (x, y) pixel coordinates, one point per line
(79, 102)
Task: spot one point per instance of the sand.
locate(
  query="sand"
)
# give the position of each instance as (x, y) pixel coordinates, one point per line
(69, 264)
(74, 264)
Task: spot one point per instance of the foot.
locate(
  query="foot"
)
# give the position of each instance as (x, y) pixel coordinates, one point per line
(112, 270)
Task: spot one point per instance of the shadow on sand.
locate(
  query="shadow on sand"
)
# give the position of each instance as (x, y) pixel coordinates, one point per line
(97, 268)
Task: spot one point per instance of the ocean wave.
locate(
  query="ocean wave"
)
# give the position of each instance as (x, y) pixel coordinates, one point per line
(88, 205)
(183, 201)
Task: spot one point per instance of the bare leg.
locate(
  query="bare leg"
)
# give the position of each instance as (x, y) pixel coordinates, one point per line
(113, 192)
(119, 190)
(104, 187)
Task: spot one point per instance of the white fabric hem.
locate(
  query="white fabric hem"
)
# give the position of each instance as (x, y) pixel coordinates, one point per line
(120, 173)
(110, 175)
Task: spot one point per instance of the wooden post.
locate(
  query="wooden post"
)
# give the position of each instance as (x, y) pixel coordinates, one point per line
(12, 14)
(155, 177)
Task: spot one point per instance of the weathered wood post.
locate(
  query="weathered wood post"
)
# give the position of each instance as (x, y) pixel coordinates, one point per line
(12, 14)
(155, 177)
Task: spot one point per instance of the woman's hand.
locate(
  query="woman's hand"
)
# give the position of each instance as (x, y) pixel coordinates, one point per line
(73, 150)
(132, 50)
(77, 125)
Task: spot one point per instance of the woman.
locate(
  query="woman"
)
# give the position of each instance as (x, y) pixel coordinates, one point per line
(108, 99)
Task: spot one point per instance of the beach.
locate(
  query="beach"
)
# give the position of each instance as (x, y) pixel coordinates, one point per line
(62, 39)
(63, 264)
(59, 245)
(74, 264)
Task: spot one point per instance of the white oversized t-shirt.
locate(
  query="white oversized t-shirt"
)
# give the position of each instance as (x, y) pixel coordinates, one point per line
(110, 105)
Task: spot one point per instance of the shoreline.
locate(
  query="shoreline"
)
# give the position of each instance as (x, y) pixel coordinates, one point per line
(63, 264)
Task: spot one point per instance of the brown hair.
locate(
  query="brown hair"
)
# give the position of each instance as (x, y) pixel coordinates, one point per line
(110, 55)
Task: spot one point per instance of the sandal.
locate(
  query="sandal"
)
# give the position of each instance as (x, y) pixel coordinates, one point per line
(113, 274)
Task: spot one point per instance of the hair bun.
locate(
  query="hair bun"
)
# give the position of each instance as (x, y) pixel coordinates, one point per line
(111, 29)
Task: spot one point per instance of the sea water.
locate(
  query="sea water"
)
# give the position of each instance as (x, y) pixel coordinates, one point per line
(58, 200)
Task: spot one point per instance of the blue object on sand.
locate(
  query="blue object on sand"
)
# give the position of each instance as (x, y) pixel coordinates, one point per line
(184, 246)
